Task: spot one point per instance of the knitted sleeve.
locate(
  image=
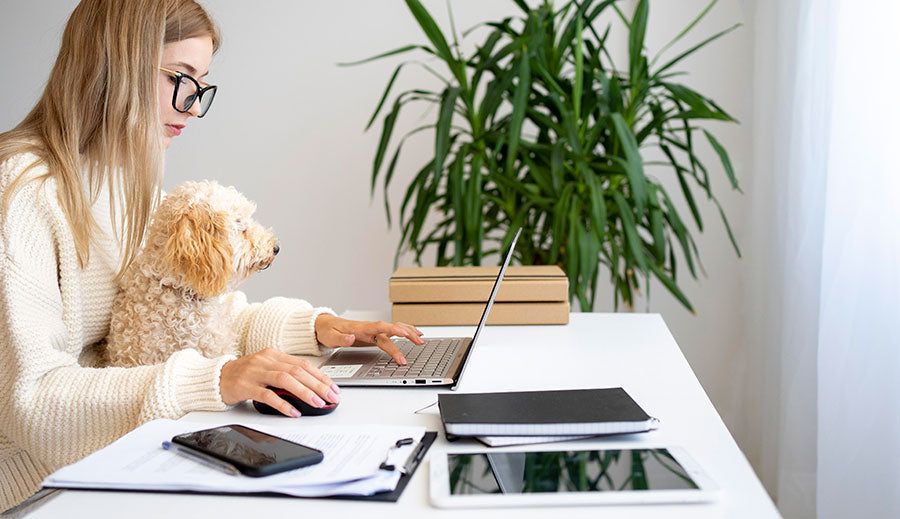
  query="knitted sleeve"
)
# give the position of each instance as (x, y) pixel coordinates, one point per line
(50, 406)
(280, 322)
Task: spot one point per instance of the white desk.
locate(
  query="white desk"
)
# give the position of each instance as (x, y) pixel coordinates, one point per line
(635, 351)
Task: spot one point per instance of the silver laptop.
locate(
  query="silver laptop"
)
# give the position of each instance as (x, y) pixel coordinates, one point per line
(439, 362)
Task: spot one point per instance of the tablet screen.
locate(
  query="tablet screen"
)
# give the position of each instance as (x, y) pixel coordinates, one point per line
(566, 471)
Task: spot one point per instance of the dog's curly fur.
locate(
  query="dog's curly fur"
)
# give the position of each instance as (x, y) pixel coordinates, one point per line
(202, 242)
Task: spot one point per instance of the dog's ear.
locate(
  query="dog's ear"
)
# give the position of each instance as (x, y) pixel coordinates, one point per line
(199, 250)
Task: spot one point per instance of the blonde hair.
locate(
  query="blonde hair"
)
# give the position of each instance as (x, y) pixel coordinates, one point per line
(98, 119)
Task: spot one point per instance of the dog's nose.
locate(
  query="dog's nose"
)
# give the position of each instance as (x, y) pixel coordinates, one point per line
(276, 249)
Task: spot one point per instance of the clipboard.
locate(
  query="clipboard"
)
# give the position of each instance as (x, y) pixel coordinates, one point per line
(388, 497)
(415, 460)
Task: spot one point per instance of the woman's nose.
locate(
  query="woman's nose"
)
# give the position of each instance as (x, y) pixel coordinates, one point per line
(196, 108)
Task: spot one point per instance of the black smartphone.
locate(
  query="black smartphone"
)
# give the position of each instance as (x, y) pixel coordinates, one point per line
(253, 453)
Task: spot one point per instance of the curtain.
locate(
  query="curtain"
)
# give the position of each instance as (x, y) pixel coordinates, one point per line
(821, 368)
(859, 342)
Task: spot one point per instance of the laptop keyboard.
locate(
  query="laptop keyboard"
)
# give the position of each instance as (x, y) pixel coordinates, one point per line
(429, 360)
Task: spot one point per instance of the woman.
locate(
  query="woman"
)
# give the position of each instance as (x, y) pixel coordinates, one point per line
(79, 178)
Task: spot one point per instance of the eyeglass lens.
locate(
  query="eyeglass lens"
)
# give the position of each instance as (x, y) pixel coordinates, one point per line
(187, 91)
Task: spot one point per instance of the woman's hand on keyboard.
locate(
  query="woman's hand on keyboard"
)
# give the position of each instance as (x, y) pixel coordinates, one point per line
(335, 332)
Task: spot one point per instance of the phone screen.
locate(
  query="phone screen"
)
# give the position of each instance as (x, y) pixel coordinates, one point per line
(253, 452)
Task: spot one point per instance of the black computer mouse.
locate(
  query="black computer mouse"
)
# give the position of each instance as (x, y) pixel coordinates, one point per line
(304, 408)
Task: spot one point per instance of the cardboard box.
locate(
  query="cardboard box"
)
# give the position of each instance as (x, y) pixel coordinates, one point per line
(449, 296)
(452, 314)
(473, 284)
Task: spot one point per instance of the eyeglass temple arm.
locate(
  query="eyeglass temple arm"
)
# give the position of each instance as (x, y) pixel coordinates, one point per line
(164, 69)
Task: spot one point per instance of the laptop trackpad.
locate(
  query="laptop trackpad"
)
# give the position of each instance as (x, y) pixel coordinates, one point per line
(341, 370)
(358, 355)
(347, 362)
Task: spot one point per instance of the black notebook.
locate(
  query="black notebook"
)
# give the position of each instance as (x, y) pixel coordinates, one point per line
(543, 413)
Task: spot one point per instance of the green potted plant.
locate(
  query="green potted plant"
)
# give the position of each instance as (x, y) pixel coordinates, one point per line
(540, 128)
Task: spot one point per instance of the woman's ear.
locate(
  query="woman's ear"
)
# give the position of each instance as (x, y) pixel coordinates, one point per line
(198, 249)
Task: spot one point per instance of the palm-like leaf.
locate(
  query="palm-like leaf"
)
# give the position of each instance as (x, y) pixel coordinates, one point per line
(539, 129)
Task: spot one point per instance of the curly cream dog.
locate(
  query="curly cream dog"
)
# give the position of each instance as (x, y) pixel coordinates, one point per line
(201, 243)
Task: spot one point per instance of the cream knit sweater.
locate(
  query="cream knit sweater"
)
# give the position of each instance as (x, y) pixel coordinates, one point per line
(56, 404)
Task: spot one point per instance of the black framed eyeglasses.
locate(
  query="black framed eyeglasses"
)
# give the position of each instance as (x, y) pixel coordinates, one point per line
(188, 90)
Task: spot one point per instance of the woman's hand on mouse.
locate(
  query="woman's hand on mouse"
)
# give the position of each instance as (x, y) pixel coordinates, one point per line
(335, 332)
(246, 378)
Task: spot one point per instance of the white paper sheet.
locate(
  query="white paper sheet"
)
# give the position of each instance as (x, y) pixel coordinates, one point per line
(505, 441)
(352, 456)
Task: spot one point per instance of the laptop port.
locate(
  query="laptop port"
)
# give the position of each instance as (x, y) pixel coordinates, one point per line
(420, 381)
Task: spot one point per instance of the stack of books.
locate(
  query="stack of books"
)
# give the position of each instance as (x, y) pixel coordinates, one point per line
(499, 419)
(447, 296)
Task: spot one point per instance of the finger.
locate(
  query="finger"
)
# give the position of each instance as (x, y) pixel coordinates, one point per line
(412, 333)
(413, 328)
(311, 377)
(325, 390)
(325, 379)
(339, 339)
(268, 397)
(364, 340)
(366, 331)
(391, 329)
(334, 338)
(305, 364)
(388, 346)
(289, 382)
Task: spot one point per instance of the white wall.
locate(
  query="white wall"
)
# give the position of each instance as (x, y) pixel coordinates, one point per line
(722, 71)
(287, 130)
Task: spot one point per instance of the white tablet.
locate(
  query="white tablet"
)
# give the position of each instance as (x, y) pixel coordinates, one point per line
(538, 475)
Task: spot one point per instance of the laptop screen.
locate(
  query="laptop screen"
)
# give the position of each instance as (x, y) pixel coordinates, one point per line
(487, 309)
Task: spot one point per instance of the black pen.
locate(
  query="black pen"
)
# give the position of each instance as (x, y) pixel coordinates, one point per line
(202, 458)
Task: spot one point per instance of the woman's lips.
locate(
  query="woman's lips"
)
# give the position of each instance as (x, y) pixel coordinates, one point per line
(175, 129)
